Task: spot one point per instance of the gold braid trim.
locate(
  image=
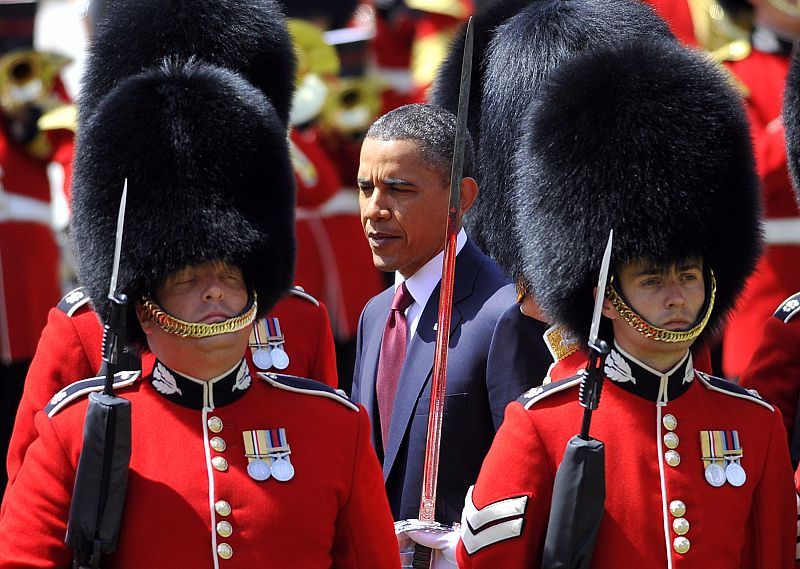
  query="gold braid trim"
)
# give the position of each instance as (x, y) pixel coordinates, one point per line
(172, 325)
(660, 334)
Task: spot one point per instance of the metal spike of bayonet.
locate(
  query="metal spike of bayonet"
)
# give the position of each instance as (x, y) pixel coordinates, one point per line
(118, 243)
(602, 282)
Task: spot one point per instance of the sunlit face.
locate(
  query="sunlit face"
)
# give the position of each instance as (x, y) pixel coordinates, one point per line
(404, 204)
(208, 293)
(669, 298)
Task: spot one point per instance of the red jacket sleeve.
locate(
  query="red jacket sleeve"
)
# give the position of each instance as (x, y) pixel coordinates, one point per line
(324, 365)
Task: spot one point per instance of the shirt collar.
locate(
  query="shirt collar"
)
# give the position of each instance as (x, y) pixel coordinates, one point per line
(642, 380)
(422, 283)
(197, 393)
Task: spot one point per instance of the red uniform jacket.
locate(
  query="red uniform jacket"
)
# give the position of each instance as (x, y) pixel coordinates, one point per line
(657, 498)
(774, 370)
(71, 349)
(778, 273)
(190, 500)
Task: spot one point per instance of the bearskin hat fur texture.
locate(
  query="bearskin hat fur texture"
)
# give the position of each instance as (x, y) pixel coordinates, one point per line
(209, 178)
(791, 120)
(649, 140)
(522, 53)
(335, 12)
(247, 36)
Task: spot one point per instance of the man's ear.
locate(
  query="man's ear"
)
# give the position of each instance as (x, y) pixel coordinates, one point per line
(608, 309)
(469, 191)
(141, 315)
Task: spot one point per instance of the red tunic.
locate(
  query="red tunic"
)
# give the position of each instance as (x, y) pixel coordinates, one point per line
(774, 370)
(778, 273)
(71, 349)
(29, 256)
(190, 501)
(751, 526)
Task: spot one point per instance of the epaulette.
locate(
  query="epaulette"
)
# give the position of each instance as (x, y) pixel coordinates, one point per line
(75, 390)
(73, 300)
(540, 392)
(307, 387)
(732, 389)
(788, 308)
(298, 291)
(559, 342)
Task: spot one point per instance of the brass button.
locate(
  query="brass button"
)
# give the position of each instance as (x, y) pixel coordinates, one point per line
(225, 551)
(677, 508)
(672, 457)
(680, 525)
(219, 445)
(671, 440)
(669, 421)
(225, 529)
(214, 424)
(681, 544)
(223, 508)
(219, 463)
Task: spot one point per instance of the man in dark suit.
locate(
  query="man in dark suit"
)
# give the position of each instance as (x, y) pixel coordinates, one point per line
(403, 181)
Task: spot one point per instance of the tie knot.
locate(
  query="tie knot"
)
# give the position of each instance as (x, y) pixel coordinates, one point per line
(402, 298)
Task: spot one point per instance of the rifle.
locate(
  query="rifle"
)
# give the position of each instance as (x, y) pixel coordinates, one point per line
(101, 481)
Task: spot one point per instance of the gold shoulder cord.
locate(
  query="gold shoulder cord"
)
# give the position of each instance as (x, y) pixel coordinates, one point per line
(659, 334)
(172, 325)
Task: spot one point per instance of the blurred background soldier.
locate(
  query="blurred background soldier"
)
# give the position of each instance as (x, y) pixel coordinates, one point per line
(34, 169)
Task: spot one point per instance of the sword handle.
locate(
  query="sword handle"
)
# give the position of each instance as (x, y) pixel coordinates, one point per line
(423, 556)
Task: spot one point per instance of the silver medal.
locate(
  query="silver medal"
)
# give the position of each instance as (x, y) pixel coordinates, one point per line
(280, 359)
(735, 473)
(258, 470)
(715, 475)
(262, 358)
(282, 470)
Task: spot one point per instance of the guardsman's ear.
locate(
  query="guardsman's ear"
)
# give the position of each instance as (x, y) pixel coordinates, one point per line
(147, 325)
(608, 309)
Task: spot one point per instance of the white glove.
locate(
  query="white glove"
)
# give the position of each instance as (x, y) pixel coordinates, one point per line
(440, 538)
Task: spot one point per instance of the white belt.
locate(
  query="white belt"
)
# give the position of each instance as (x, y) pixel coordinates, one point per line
(343, 202)
(782, 231)
(16, 207)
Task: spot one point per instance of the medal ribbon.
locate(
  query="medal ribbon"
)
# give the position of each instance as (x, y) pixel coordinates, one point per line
(276, 446)
(732, 452)
(712, 443)
(256, 446)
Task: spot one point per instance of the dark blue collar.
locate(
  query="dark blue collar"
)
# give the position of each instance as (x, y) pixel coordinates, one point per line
(642, 380)
(196, 393)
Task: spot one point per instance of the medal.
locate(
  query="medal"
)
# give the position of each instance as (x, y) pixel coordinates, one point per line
(735, 474)
(715, 474)
(258, 470)
(282, 469)
(280, 359)
(262, 358)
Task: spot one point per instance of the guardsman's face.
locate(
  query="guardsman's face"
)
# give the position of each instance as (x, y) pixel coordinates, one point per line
(667, 297)
(208, 293)
(403, 205)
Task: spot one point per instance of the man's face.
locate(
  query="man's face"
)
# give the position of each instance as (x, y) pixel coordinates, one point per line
(208, 293)
(403, 205)
(669, 298)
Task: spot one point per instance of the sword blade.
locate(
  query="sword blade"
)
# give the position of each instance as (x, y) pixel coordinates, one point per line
(118, 243)
(430, 475)
(602, 282)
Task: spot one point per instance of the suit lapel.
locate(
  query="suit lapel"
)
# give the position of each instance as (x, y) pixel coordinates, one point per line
(371, 353)
(418, 365)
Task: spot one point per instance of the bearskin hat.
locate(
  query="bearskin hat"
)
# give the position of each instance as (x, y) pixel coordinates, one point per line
(247, 36)
(530, 40)
(209, 178)
(649, 140)
(791, 120)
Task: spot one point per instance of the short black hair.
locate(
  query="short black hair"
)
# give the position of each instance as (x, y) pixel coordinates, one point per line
(433, 127)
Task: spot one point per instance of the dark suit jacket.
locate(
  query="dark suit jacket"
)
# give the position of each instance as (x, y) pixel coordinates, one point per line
(481, 294)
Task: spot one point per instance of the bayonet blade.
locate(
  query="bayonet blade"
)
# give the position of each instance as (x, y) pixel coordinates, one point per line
(118, 243)
(602, 282)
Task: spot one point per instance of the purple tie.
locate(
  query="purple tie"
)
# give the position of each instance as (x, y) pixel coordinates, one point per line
(393, 354)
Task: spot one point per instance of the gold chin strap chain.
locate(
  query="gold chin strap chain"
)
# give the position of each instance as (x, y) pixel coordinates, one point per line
(660, 334)
(172, 325)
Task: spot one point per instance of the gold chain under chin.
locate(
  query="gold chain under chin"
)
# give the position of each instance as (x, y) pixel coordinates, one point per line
(172, 325)
(660, 334)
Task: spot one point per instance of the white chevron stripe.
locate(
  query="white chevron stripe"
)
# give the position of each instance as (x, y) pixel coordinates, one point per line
(476, 535)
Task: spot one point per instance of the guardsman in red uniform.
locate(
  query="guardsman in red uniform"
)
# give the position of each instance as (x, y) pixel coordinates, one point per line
(243, 469)
(651, 141)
